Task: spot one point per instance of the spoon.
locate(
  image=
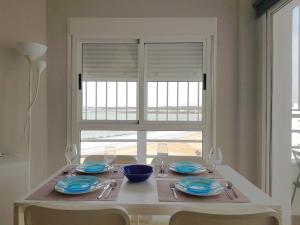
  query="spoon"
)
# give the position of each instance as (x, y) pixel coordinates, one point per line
(172, 187)
(113, 184)
(229, 185)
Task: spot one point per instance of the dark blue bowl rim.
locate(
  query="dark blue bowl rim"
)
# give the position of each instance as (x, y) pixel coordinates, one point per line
(137, 174)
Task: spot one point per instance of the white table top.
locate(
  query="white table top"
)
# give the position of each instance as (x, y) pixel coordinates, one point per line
(142, 198)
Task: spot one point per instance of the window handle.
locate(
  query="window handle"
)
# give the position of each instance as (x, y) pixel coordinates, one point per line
(79, 81)
(204, 81)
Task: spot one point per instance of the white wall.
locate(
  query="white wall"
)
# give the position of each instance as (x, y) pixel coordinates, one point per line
(13, 185)
(248, 95)
(20, 21)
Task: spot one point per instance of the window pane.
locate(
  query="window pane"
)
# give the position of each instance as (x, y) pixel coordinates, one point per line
(131, 111)
(93, 142)
(91, 100)
(177, 148)
(84, 108)
(121, 115)
(97, 148)
(200, 100)
(193, 101)
(152, 103)
(174, 135)
(173, 73)
(162, 101)
(172, 100)
(182, 100)
(89, 135)
(101, 100)
(114, 64)
(111, 100)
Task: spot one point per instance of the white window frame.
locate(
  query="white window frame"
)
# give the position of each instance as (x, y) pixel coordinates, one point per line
(74, 100)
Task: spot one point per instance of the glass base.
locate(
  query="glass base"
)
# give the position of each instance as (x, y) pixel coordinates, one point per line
(162, 175)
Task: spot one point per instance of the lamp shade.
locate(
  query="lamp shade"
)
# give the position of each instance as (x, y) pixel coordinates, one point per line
(41, 66)
(32, 50)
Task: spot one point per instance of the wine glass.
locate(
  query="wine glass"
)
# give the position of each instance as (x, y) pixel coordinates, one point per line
(110, 154)
(162, 154)
(215, 156)
(70, 155)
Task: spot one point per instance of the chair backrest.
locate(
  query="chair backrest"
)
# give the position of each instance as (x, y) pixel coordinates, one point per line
(296, 155)
(200, 218)
(39, 215)
(170, 159)
(120, 159)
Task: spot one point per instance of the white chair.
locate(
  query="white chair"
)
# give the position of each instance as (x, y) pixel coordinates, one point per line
(233, 217)
(70, 215)
(296, 155)
(120, 159)
(171, 159)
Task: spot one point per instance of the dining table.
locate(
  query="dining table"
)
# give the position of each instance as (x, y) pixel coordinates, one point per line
(146, 198)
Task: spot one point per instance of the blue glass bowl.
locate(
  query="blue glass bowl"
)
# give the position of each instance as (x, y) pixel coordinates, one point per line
(137, 173)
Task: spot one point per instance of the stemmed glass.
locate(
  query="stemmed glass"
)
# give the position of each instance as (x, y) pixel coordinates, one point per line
(215, 157)
(162, 154)
(110, 154)
(70, 155)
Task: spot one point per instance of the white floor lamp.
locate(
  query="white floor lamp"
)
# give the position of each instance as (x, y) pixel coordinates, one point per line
(32, 51)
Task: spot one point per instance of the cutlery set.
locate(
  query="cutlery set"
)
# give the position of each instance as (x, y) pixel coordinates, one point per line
(228, 188)
(112, 184)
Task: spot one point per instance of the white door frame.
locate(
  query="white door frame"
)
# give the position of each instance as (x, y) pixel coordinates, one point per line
(267, 104)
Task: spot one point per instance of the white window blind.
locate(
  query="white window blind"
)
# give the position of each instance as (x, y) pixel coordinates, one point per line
(174, 61)
(109, 61)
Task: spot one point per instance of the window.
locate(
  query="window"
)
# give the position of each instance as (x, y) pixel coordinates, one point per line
(174, 81)
(109, 81)
(134, 94)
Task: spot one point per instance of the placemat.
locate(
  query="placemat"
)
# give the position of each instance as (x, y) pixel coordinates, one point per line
(47, 193)
(173, 175)
(165, 195)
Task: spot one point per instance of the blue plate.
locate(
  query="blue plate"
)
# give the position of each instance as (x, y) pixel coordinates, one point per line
(187, 167)
(77, 184)
(199, 186)
(92, 167)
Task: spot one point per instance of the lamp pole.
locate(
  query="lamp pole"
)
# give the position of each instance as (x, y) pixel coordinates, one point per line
(32, 51)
